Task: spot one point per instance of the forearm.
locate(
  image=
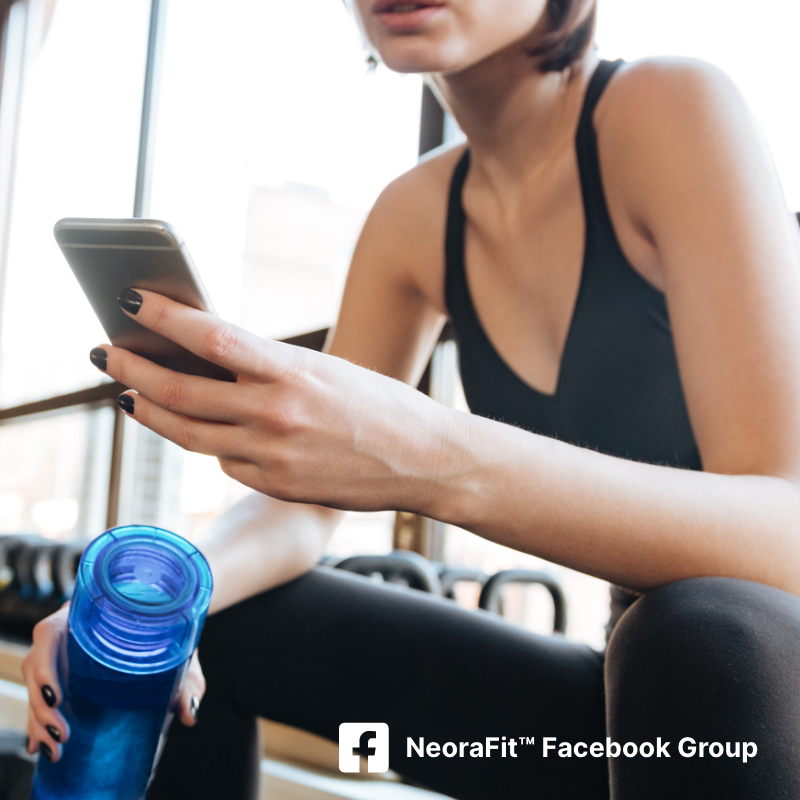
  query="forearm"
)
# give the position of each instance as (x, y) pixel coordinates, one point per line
(260, 543)
(637, 525)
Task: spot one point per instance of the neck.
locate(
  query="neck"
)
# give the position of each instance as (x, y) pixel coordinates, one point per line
(516, 118)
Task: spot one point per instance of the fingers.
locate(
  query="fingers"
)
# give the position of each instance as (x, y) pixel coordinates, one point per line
(194, 687)
(47, 728)
(188, 395)
(195, 435)
(208, 336)
(44, 739)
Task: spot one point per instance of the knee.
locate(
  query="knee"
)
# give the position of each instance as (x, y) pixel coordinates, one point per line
(730, 635)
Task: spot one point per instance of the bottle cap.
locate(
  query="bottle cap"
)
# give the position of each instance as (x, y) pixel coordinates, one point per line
(140, 600)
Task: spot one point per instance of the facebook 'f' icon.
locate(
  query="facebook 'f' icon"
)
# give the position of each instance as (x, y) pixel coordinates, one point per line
(368, 739)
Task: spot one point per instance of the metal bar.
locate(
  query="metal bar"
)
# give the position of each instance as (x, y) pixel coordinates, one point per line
(115, 469)
(105, 392)
(141, 208)
(152, 76)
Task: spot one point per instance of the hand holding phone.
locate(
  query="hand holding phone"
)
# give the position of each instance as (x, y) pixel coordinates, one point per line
(108, 256)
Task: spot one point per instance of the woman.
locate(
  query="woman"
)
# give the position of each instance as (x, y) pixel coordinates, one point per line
(614, 251)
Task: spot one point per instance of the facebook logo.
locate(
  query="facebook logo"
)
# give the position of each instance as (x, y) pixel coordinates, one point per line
(367, 739)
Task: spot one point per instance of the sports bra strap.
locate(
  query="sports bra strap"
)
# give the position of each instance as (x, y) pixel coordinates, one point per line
(594, 91)
(458, 300)
(599, 228)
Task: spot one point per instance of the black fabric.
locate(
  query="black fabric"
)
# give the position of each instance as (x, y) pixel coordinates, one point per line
(333, 647)
(714, 659)
(619, 390)
(717, 660)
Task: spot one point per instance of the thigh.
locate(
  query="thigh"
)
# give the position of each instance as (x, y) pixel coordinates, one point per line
(711, 660)
(332, 647)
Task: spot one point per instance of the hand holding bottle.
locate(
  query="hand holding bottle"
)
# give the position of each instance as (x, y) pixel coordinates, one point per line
(47, 729)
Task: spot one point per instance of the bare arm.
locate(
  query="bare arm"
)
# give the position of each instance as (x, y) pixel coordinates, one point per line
(260, 542)
(637, 525)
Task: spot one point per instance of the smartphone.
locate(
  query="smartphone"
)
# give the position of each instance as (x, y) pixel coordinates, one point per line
(108, 256)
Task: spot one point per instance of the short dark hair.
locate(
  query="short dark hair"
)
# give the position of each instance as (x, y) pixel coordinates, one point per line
(570, 33)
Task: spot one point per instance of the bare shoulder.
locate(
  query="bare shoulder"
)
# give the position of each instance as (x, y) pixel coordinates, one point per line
(683, 88)
(404, 234)
(669, 128)
(431, 176)
(662, 110)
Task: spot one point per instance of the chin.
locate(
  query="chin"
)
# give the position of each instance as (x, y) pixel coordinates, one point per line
(415, 57)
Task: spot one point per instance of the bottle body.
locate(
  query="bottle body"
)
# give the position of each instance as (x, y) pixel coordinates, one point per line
(134, 623)
(116, 726)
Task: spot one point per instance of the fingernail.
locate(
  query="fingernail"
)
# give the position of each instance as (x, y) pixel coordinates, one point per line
(99, 358)
(45, 748)
(130, 301)
(194, 707)
(49, 695)
(54, 732)
(125, 402)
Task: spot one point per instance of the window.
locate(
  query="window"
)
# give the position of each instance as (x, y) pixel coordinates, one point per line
(271, 140)
(76, 143)
(76, 157)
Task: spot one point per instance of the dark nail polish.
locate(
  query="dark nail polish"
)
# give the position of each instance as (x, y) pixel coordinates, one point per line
(99, 358)
(125, 402)
(194, 707)
(54, 732)
(46, 750)
(130, 301)
(49, 695)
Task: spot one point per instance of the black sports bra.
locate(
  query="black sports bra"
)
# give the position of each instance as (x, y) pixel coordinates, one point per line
(619, 390)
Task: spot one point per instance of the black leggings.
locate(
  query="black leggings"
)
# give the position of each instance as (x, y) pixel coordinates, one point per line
(712, 659)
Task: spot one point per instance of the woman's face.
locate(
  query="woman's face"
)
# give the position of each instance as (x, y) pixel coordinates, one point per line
(442, 36)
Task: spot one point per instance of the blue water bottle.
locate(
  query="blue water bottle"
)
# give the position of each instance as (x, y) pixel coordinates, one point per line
(138, 608)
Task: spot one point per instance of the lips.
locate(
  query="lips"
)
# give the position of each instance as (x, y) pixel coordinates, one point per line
(405, 16)
(401, 6)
